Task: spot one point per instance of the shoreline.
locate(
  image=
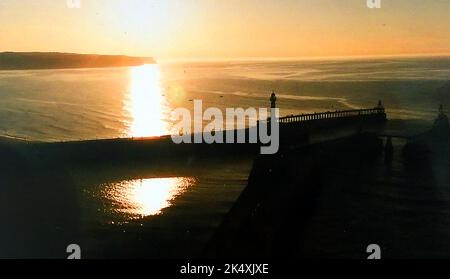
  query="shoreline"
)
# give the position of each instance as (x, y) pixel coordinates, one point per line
(56, 60)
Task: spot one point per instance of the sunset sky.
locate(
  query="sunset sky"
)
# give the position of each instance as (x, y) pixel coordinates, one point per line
(226, 29)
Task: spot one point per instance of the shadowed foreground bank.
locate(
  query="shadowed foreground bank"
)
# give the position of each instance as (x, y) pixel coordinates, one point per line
(327, 199)
(53, 194)
(46, 205)
(332, 200)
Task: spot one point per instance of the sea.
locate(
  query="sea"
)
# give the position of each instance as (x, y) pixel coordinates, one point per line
(73, 104)
(175, 210)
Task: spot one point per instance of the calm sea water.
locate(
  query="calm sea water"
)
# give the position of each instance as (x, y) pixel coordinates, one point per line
(53, 105)
(175, 210)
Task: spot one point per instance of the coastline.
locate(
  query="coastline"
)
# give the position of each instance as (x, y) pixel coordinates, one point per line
(10, 61)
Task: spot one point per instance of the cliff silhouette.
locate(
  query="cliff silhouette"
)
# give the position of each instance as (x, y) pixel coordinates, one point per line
(56, 60)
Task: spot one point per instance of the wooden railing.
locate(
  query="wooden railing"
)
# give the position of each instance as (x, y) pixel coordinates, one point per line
(331, 115)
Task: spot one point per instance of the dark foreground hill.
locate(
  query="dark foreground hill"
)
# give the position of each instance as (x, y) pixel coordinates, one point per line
(54, 60)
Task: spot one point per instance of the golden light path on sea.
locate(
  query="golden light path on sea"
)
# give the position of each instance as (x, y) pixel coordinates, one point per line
(148, 111)
(146, 103)
(146, 197)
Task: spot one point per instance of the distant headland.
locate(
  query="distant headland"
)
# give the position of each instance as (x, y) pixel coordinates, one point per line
(56, 60)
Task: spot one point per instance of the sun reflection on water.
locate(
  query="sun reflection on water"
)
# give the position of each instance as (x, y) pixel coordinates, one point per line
(146, 197)
(146, 105)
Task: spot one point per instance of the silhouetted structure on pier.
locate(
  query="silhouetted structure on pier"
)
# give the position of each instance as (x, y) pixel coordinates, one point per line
(294, 130)
(389, 151)
(297, 129)
(441, 122)
(273, 100)
(360, 113)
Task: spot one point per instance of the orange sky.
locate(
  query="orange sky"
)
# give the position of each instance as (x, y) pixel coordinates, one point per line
(226, 29)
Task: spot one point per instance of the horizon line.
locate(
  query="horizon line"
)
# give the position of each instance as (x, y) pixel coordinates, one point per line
(301, 58)
(250, 58)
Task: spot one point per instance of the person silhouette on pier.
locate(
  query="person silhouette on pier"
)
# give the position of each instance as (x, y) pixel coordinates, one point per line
(441, 126)
(442, 119)
(441, 112)
(273, 100)
(389, 151)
